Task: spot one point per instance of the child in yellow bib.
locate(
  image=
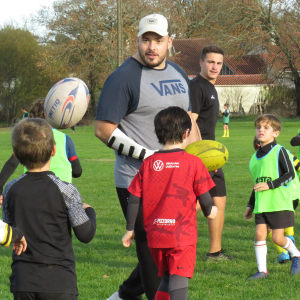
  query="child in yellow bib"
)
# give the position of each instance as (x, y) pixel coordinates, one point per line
(274, 191)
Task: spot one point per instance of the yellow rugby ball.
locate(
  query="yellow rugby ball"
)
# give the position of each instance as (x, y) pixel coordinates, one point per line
(213, 154)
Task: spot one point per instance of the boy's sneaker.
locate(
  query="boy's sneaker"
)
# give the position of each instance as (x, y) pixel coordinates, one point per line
(282, 258)
(259, 275)
(220, 257)
(295, 268)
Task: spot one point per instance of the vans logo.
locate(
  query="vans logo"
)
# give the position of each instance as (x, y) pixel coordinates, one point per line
(170, 87)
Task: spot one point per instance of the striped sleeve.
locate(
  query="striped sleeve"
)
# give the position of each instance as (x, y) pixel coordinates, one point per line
(5, 234)
(285, 170)
(296, 163)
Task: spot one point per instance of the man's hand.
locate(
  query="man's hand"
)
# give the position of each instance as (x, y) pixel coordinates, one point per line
(128, 238)
(263, 186)
(20, 246)
(1, 200)
(248, 213)
(213, 213)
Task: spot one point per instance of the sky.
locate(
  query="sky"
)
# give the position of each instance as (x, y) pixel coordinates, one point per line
(18, 10)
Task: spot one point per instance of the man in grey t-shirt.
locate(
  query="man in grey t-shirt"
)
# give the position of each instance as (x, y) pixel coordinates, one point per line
(132, 95)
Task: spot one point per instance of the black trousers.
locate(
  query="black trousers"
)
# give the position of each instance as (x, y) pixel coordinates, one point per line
(144, 278)
(43, 296)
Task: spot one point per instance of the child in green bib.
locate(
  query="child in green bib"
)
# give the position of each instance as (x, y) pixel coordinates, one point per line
(274, 191)
(225, 114)
(283, 255)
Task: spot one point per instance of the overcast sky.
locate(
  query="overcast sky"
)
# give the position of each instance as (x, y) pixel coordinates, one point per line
(18, 10)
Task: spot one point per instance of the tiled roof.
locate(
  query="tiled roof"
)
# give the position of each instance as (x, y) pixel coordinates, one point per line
(278, 61)
(242, 79)
(247, 64)
(188, 53)
(248, 69)
(257, 79)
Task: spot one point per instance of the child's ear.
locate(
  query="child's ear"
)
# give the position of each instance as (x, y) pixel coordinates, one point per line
(276, 134)
(186, 134)
(53, 150)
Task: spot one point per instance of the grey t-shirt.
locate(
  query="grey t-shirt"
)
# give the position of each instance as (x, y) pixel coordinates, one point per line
(131, 97)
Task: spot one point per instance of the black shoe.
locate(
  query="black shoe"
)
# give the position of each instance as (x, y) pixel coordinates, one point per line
(220, 257)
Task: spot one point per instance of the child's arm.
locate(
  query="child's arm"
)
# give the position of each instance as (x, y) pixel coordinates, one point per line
(250, 206)
(7, 170)
(296, 163)
(262, 186)
(20, 246)
(9, 235)
(225, 113)
(82, 216)
(295, 141)
(286, 170)
(132, 212)
(248, 212)
(86, 231)
(72, 157)
(209, 210)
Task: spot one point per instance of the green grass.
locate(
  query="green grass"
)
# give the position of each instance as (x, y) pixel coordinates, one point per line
(104, 263)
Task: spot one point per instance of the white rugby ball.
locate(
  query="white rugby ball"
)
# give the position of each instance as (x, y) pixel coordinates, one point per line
(66, 103)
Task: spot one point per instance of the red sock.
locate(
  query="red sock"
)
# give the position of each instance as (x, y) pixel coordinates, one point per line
(162, 296)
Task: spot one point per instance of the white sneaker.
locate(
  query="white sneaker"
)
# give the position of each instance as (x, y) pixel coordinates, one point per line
(114, 296)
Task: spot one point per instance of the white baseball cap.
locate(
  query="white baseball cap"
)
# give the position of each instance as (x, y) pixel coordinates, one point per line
(154, 23)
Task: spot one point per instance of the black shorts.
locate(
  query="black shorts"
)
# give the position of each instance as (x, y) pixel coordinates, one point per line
(276, 220)
(225, 123)
(220, 189)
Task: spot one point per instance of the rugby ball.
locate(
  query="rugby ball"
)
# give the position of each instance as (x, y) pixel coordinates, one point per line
(66, 103)
(213, 154)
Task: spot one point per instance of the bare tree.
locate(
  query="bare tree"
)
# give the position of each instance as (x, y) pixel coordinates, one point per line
(270, 27)
(235, 97)
(83, 34)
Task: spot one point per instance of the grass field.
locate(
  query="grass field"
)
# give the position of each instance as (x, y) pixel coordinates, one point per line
(104, 263)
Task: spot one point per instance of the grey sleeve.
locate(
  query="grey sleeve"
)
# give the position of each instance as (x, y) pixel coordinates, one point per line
(73, 201)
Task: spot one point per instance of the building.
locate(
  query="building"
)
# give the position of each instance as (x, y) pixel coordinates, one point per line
(242, 78)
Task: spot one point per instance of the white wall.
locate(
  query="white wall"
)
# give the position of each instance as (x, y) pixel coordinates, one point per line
(248, 93)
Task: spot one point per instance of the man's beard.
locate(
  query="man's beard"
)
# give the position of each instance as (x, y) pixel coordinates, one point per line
(150, 65)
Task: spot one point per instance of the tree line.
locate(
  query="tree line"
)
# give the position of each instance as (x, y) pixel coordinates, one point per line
(81, 41)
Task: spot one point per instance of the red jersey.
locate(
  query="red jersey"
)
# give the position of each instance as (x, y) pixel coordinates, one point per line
(168, 183)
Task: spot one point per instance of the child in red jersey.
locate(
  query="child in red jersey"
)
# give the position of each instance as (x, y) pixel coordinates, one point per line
(169, 185)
